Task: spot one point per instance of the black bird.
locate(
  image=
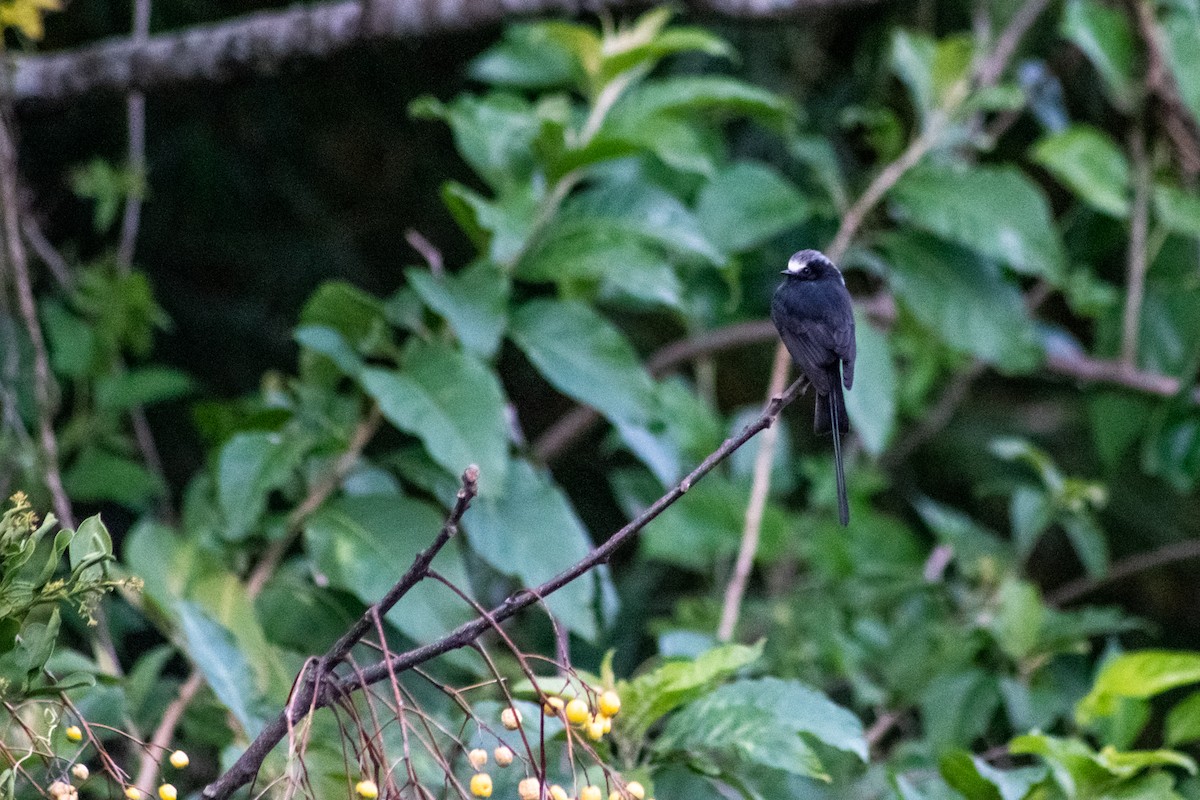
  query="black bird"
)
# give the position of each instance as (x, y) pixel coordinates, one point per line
(811, 309)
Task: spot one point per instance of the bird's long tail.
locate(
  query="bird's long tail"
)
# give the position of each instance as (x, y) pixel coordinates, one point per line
(834, 417)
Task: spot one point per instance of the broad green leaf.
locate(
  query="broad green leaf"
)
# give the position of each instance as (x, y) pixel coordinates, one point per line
(1142, 674)
(975, 779)
(964, 299)
(973, 544)
(1031, 512)
(1017, 624)
(727, 738)
(529, 530)
(99, 475)
(223, 596)
(644, 48)
(685, 432)
(1090, 164)
(494, 133)
(211, 647)
(474, 302)
(699, 94)
(500, 227)
(250, 466)
(141, 387)
(604, 262)
(651, 695)
(330, 344)
(1177, 210)
(957, 708)
(1089, 543)
(1181, 37)
(364, 544)
(996, 211)
(90, 547)
(705, 525)
(355, 314)
(1183, 721)
(872, 402)
(747, 204)
(527, 57)
(585, 357)
(1106, 37)
(452, 403)
(912, 57)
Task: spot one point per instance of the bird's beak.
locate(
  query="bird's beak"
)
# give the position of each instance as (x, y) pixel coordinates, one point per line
(785, 272)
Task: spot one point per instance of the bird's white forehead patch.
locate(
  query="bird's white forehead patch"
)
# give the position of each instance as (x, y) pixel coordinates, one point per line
(796, 264)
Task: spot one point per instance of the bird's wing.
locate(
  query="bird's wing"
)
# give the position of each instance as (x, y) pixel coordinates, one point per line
(810, 346)
(846, 347)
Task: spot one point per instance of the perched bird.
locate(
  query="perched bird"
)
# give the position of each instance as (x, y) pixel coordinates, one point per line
(811, 309)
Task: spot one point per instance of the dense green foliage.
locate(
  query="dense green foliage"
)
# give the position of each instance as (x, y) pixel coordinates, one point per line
(628, 190)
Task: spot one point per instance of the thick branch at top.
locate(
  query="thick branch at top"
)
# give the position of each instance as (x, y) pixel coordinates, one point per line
(261, 42)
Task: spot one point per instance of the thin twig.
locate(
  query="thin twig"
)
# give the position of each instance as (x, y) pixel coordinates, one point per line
(247, 766)
(759, 489)
(317, 494)
(135, 115)
(46, 252)
(1137, 261)
(1142, 562)
(163, 734)
(43, 380)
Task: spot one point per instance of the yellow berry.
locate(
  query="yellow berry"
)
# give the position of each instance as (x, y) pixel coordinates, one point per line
(510, 718)
(590, 793)
(607, 723)
(179, 759)
(481, 784)
(167, 792)
(577, 712)
(504, 756)
(553, 706)
(74, 734)
(60, 788)
(132, 793)
(80, 771)
(559, 793)
(477, 757)
(529, 789)
(595, 729)
(366, 789)
(609, 703)
(635, 789)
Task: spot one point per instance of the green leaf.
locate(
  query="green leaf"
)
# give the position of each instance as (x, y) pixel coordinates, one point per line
(686, 431)
(1183, 721)
(1181, 37)
(957, 708)
(699, 94)
(975, 779)
(651, 695)
(250, 466)
(726, 738)
(747, 204)
(646, 47)
(98, 475)
(996, 211)
(912, 57)
(973, 544)
(964, 299)
(90, 547)
(141, 387)
(1142, 674)
(1031, 511)
(474, 302)
(211, 647)
(704, 525)
(453, 404)
(529, 531)
(499, 228)
(585, 358)
(355, 314)
(364, 544)
(1090, 164)
(872, 402)
(494, 133)
(1106, 37)
(527, 57)
(331, 344)
(1017, 624)
(1177, 210)
(1089, 543)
